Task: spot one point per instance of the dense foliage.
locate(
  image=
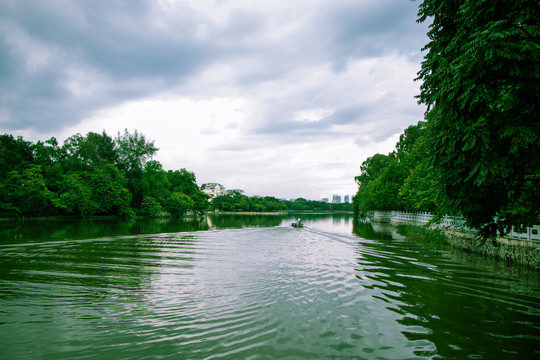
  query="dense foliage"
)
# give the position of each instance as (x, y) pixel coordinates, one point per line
(92, 175)
(399, 180)
(478, 152)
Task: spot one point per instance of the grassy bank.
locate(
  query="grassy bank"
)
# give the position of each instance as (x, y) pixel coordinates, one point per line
(435, 238)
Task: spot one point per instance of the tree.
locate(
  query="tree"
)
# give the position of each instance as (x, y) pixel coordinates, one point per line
(178, 204)
(183, 181)
(410, 149)
(151, 207)
(85, 153)
(200, 202)
(416, 194)
(300, 204)
(15, 154)
(154, 182)
(372, 168)
(26, 193)
(109, 192)
(382, 193)
(133, 151)
(47, 153)
(481, 84)
(77, 197)
(91, 175)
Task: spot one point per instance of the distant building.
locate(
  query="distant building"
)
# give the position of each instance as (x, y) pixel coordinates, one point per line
(213, 189)
(325, 200)
(347, 199)
(336, 199)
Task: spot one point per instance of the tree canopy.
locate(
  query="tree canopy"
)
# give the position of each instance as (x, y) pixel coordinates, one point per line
(481, 80)
(477, 153)
(92, 175)
(397, 181)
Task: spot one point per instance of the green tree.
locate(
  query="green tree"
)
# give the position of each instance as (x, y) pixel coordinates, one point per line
(383, 192)
(417, 194)
(49, 155)
(200, 202)
(99, 192)
(109, 192)
(89, 175)
(481, 84)
(26, 192)
(178, 204)
(300, 204)
(235, 202)
(154, 181)
(151, 207)
(15, 154)
(77, 196)
(133, 151)
(340, 207)
(410, 148)
(372, 168)
(185, 182)
(182, 181)
(377, 189)
(85, 153)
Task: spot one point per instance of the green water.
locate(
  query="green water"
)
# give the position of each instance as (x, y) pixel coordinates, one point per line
(252, 287)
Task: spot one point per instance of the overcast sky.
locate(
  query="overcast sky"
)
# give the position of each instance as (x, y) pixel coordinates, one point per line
(275, 97)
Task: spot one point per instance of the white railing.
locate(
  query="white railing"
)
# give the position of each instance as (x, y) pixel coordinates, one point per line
(451, 222)
(533, 234)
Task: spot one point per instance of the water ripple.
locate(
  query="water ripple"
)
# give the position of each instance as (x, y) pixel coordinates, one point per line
(256, 293)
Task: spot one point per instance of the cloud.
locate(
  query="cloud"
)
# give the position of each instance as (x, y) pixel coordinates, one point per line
(236, 91)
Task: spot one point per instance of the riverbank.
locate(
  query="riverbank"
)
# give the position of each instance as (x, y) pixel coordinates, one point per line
(248, 212)
(516, 251)
(167, 215)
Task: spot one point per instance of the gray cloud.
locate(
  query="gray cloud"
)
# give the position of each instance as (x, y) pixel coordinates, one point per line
(115, 40)
(62, 62)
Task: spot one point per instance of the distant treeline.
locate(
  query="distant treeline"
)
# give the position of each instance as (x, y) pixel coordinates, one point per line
(239, 202)
(99, 175)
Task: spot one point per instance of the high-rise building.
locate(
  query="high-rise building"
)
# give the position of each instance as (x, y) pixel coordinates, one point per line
(336, 199)
(325, 200)
(347, 199)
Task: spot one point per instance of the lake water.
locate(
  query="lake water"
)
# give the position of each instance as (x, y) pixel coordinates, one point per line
(252, 287)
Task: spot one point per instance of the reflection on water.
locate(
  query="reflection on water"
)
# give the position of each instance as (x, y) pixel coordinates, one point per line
(367, 230)
(465, 304)
(72, 228)
(254, 288)
(238, 221)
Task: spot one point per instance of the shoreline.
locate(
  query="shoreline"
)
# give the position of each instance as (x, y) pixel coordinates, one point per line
(247, 213)
(117, 217)
(513, 251)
